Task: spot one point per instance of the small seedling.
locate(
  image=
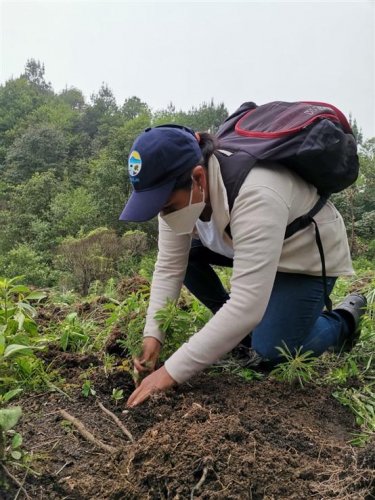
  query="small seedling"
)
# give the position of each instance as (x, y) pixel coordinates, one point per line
(4, 398)
(298, 367)
(117, 394)
(88, 389)
(10, 440)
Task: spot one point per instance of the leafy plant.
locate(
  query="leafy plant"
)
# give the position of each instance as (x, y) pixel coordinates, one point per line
(4, 398)
(362, 404)
(10, 441)
(73, 334)
(178, 324)
(298, 367)
(16, 313)
(130, 316)
(117, 394)
(88, 389)
(18, 335)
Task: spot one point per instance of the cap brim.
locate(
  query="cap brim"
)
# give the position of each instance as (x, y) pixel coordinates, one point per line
(144, 205)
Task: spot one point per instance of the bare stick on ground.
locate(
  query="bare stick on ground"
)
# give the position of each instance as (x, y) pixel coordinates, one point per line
(117, 421)
(15, 480)
(21, 488)
(86, 434)
(199, 483)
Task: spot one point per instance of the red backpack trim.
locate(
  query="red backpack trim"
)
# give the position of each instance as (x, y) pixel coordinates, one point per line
(336, 116)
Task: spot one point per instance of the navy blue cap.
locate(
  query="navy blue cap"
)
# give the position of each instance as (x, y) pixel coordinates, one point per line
(157, 158)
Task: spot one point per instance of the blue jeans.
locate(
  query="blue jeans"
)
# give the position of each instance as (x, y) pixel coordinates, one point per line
(294, 313)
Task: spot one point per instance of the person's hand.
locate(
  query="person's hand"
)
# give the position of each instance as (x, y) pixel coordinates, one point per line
(158, 381)
(146, 362)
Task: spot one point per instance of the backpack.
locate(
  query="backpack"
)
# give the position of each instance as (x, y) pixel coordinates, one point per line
(312, 138)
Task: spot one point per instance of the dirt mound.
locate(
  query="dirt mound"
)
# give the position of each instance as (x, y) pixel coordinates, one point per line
(215, 437)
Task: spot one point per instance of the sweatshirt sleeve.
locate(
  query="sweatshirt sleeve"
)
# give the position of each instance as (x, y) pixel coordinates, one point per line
(168, 276)
(258, 221)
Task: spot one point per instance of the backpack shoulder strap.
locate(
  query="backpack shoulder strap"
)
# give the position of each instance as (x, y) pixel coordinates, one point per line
(304, 221)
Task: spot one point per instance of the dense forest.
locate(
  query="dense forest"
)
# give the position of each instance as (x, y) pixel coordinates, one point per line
(64, 181)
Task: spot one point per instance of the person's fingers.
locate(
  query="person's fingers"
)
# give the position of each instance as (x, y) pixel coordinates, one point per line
(138, 363)
(139, 399)
(143, 365)
(138, 396)
(133, 396)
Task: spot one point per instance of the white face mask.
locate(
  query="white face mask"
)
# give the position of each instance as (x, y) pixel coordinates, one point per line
(183, 221)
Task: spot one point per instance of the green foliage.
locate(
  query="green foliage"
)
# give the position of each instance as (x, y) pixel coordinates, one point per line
(147, 266)
(19, 338)
(5, 398)
(134, 246)
(298, 367)
(130, 317)
(23, 260)
(107, 186)
(357, 203)
(117, 394)
(100, 255)
(35, 74)
(74, 336)
(362, 404)
(206, 117)
(134, 107)
(73, 97)
(16, 314)
(178, 324)
(74, 212)
(64, 165)
(39, 149)
(10, 441)
(24, 214)
(18, 98)
(358, 366)
(89, 258)
(88, 389)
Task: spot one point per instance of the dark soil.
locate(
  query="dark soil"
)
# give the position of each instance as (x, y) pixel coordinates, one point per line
(215, 437)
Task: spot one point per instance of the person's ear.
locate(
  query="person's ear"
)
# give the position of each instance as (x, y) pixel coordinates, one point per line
(199, 175)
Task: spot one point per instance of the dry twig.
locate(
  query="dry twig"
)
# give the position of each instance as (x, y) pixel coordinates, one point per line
(15, 480)
(21, 488)
(199, 483)
(86, 434)
(117, 421)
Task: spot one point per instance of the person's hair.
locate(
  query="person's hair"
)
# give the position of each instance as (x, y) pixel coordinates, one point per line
(208, 144)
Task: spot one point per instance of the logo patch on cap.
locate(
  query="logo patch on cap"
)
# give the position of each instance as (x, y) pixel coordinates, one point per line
(134, 164)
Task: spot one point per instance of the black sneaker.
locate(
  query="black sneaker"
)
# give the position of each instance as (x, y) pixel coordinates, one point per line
(241, 356)
(352, 308)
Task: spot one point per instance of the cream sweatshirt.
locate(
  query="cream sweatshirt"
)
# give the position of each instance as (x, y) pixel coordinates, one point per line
(269, 199)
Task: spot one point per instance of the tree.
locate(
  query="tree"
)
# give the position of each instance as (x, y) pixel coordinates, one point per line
(26, 206)
(25, 261)
(90, 258)
(101, 120)
(357, 203)
(74, 211)
(207, 117)
(39, 149)
(73, 97)
(17, 100)
(134, 107)
(357, 132)
(108, 187)
(34, 73)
